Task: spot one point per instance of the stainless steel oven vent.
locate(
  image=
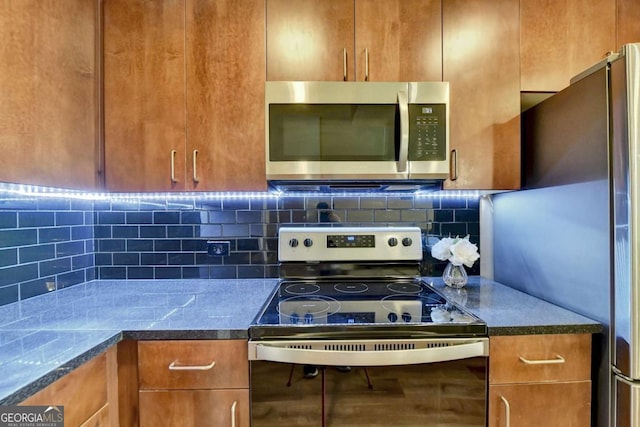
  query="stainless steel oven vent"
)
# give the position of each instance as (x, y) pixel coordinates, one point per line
(300, 346)
(394, 346)
(346, 347)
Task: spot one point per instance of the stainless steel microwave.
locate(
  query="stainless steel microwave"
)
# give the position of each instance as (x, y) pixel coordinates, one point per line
(357, 133)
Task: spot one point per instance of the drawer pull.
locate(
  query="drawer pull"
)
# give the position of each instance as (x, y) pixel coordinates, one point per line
(233, 413)
(558, 359)
(175, 367)
(507, 411)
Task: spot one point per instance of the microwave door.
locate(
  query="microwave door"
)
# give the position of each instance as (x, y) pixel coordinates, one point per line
(337, 131)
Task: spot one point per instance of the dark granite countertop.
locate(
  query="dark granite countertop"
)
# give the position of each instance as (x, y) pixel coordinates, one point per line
(43, 338)
(510, 312)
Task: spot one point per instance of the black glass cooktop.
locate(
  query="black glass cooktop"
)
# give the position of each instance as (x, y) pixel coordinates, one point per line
(361, 308)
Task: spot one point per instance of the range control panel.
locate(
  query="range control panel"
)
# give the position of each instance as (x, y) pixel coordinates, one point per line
(314, 244)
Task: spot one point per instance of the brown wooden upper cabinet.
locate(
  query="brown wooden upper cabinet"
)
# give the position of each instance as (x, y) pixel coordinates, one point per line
(480, 51)
(184, 95)
(49, 96)
(628, 22)
(561, 38)
(361, 40)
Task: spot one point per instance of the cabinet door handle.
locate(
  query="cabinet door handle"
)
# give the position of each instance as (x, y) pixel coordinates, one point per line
(344, 64)
(453, 165)
(558, 359)
(233, 413)
(507, 411)
(173, 166)
(366, 65)
(195, 165)
(173, 366)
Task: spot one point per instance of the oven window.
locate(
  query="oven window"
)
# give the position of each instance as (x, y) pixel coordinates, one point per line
(333, 132)
(446, 393)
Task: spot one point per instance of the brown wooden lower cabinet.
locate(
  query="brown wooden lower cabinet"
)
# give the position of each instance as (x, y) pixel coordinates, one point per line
(193, 383)
(563, 404)
(194, 408)
(88, 393)
(537, 380)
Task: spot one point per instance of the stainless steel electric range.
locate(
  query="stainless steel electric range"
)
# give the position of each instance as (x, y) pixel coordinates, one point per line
(353, 336)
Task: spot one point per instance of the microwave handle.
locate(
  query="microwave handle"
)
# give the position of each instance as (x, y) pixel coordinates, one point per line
(403, 105)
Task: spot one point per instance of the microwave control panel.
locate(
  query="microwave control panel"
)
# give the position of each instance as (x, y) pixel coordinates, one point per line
(427, 132)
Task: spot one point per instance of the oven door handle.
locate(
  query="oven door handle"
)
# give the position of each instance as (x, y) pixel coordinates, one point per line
(276, 352)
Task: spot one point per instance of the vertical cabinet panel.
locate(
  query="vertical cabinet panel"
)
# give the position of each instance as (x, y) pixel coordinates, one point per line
(403, 40)
(559, 39)
(225, 95)
(144, 94)
(48, 82)
(306, 40)
(480, 47)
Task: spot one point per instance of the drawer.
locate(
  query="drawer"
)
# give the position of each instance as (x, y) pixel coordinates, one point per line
(193, 364)
(539, 358)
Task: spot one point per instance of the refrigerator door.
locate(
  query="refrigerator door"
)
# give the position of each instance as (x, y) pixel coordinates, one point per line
(627, 405)
(625, 154)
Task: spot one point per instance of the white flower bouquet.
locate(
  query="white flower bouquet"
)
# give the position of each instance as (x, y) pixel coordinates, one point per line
(457, 251)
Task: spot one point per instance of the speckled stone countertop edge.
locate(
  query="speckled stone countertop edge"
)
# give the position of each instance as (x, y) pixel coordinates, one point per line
(191, 334)
(595, 328)
(33, 387)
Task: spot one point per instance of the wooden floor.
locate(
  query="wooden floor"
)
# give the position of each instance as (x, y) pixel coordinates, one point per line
(451, 394)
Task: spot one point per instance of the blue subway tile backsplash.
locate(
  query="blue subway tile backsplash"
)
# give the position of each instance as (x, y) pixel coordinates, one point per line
(48, 244)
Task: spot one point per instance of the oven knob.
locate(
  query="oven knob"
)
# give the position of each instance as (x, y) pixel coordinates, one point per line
(392, 317)
(308, 242)
(407, 241)
(294, 318)
(392, 241)
(406, 317)
(293, 243)
(308, 318)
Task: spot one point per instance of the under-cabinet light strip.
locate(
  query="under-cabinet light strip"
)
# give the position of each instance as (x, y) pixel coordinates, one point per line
(22, 190)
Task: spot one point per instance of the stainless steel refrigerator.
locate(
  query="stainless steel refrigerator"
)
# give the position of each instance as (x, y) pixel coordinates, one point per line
(572, 236)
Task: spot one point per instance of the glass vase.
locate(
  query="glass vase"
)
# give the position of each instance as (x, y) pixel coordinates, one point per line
(455, 276)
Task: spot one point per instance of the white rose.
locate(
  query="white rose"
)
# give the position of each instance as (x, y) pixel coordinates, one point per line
(441, 249)
(464, 252)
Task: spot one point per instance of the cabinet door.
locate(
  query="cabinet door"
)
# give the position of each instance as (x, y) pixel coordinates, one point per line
(628, 19)
(480, 51)
(559, 39)
(551, 404)
(88, 394)
(225, 95)
(402, 39)
(48, 87)
(194, 408)
(307, 39)
(144, 95)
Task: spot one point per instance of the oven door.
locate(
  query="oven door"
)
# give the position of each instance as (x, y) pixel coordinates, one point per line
(429, 382)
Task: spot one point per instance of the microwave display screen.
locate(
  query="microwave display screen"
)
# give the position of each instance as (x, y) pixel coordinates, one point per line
(333, 132)
(427, 132)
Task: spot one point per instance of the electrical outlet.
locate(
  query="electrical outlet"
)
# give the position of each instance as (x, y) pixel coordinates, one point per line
(217, 248)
